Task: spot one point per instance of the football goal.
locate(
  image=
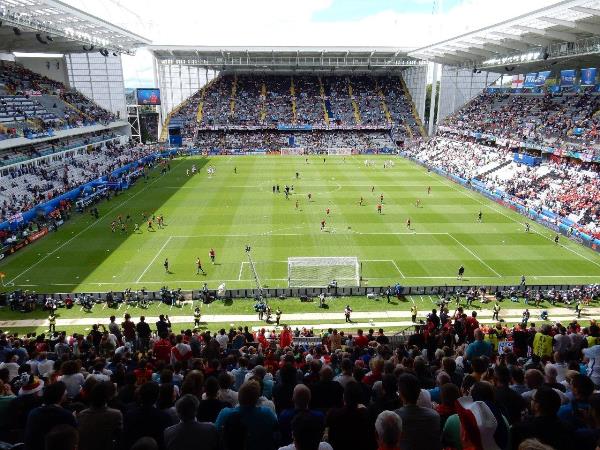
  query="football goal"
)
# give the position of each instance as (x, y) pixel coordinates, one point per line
(321, 271)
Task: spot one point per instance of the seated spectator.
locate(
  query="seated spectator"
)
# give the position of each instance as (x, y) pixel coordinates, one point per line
(145, 420)
(247, 426)
(421, 425)
(301, 399)
(100, 427)
(307, 431)
(388, 427)
(43, 419)
(210, 406)
(545, 424)
(326, 393)
(350, 426)
(62, 437)
(189, 433)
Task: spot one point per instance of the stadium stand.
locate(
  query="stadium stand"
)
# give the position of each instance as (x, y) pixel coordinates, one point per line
(152, 381)
(31, 103)
(261, 102)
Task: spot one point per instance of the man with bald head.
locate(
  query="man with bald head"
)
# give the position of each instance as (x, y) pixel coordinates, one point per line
(301, 398)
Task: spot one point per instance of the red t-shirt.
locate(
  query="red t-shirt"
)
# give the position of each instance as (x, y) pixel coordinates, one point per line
(361, 341)
(162, 350)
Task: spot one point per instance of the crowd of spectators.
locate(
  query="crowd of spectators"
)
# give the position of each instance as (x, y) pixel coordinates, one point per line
(23, 113)
(568, 188)
(271, 100)
(542, 118)
(25, 187)
(454, 384)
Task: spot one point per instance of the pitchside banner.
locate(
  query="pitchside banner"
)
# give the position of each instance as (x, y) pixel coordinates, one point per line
(541, 78)
(567, 77)
(588, 76)
(530, 80)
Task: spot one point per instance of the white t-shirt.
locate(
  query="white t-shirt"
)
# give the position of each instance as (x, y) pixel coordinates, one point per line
(223, 340)
(593, 367)
(73, 383)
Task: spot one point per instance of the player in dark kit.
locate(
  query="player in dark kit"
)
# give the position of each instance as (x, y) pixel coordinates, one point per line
(461, 272)
(166, 265)
(199, 267)
(479, 216)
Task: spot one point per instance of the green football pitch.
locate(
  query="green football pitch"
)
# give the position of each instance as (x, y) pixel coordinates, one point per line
(228, 210)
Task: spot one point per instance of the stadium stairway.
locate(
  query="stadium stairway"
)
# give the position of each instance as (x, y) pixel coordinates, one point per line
(384, 106)
(327, 111)
(504, 163)
(232, 98)
(420, 126)
(357, 118)
(293, 95)
(53, 104)
(263, 102)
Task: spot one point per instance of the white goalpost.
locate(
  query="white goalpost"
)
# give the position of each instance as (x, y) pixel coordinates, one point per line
(321, 271)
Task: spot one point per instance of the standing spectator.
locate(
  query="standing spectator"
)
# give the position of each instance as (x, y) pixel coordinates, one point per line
(62, 437)
(478, 347)
(302, 396)
(421, 425)
(239, 374)
(210, 406)
(326, 393)
(100, 427)
(143, 334)
(189, 433)
(42, 419)
(307, 431)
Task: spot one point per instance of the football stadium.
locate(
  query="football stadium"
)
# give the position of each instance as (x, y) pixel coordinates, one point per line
(300, 246)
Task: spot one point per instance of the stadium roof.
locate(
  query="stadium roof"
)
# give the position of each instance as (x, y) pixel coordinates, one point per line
(286, 58)
(43, 26)
(566, 29)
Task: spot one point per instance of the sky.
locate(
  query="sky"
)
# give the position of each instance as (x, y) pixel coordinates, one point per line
(395, 23)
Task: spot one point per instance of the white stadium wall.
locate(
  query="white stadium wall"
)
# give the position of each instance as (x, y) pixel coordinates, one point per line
(178, 82)
(416, 83)
(458, 87)
(50, 67)
(99, 78)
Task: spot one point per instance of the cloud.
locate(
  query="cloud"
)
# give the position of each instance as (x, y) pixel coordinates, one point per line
(287, 22)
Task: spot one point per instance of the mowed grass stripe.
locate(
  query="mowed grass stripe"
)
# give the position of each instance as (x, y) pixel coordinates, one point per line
(202, 213)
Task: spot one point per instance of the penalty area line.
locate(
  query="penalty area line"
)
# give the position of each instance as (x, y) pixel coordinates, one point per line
(153, 259)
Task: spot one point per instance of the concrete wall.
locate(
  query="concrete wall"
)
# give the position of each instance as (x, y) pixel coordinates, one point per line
(52, 67)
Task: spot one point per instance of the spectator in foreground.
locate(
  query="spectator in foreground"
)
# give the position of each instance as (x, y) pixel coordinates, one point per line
(247, 426)
(62, 437)
(301, 397)
(189, 433)
(421, 425)
(307, 431)
(388, 427)
(43, 419)
(100, 427)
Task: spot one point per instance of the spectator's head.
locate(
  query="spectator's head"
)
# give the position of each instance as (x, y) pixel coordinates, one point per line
(301, 396)
(307, 432)
(442, 378)
(449, 393)
(388, 426)
(467, 383)
(582, 386)
(545, 403)
(193, 383)
(148, 394)
(534, 378)
(550, 373)
(62, 437)
(225, 380)
(347, 366)
(482, 391)
(409, 388)
(326, 374)
(187, 407)
(211, 387)
(249, 393)
(145, 443)
(478, 334)
(501, 376)
(352, 395)
(533, 444)
(54, 393)
(101, 393)
(517, 375)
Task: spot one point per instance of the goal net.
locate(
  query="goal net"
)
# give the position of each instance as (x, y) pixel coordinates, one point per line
(321, 271)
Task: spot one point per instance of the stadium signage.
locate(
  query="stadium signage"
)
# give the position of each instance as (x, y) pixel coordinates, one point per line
(24, 242)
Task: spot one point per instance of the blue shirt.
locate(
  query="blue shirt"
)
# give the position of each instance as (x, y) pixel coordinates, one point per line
(478, 348)
(260, 424)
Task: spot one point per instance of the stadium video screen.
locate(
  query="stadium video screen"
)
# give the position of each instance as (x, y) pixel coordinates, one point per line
(148, 96)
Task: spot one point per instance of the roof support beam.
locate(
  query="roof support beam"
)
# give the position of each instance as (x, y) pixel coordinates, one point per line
(558, 35)
(585, 10)
(527, 39)
(480, 52)
(508, 43)
(584, 26)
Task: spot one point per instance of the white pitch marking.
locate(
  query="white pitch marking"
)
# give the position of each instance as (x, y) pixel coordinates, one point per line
(153, 259)
(475, 255)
